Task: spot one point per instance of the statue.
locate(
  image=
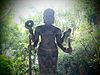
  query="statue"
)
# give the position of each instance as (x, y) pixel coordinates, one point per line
(51, 37)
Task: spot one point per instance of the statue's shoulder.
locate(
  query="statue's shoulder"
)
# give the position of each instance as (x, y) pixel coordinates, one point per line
(39, 27)
(57, 29)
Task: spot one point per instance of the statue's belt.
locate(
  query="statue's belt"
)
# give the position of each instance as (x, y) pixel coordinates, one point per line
(48, 49)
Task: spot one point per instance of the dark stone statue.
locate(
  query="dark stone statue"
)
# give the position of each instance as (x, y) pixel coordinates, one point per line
(51, 37)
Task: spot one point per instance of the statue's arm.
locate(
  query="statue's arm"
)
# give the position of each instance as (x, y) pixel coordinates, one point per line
(36, 37)
(59, 41)
(65, 34)
(60, 44)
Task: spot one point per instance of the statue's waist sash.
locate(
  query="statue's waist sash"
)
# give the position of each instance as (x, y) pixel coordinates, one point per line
(47, 49)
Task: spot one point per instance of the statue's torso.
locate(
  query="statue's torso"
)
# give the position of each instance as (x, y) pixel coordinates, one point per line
(48, 34)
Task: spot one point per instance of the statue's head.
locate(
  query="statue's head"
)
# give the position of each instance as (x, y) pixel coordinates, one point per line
(48, 16)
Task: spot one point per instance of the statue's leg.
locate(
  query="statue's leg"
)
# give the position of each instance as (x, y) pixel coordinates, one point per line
(42, 62)
(53, 60)
(47, 62)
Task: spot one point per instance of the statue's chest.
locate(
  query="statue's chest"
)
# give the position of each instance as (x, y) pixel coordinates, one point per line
(47, 32)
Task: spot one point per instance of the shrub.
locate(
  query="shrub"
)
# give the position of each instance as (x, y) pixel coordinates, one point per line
(6, 66)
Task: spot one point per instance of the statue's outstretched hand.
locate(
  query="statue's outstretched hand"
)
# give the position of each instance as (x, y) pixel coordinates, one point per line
(68, 50)
(30, 47)
(67, 33)
(30, 37)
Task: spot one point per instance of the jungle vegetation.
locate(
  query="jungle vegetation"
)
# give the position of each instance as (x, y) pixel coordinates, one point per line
(84, 20)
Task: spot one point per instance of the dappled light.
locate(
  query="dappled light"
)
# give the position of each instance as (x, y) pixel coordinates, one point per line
(81, 16)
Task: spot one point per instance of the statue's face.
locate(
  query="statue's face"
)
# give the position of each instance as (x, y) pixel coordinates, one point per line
(48, 19)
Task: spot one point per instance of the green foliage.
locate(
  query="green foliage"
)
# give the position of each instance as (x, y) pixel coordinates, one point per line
(6, 66)
(85, 41)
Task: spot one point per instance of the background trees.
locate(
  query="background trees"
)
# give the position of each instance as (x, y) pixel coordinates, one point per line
(85, 38)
